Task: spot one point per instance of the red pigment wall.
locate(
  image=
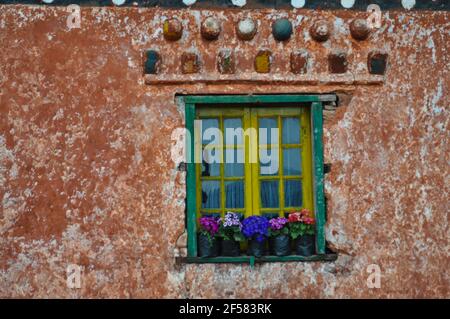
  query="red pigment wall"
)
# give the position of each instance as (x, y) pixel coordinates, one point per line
(86, 176)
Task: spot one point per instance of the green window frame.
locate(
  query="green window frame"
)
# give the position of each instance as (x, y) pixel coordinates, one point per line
(315, 102)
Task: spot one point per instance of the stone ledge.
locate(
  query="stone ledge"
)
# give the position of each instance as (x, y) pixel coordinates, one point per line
(319, 79)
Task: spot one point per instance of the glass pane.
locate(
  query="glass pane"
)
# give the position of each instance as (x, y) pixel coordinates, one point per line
(210, 194)
(234, 162)
(269, 194)
(270, 215)
(234, 194)
(211, 162)
(210, 131)
(269, 162)
(265, 130)
(291, 130)
(292, 162)
(292, 193)
(233, 131)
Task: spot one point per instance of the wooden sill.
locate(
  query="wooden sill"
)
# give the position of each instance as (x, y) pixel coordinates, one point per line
(244, 259)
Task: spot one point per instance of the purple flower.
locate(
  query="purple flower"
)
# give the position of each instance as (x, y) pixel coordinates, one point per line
(277, 223)
(210, 224)
(231, 219)
(255, 227)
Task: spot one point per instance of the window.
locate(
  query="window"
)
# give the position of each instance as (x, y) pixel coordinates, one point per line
(267, 158)
(277, 182)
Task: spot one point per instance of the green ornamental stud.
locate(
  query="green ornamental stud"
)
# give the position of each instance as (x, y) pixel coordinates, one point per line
(282, 29)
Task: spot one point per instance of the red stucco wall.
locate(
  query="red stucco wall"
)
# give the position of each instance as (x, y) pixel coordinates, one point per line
(86, 176)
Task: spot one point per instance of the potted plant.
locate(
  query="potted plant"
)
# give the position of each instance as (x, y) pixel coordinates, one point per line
(279, 241)
(256, 229)
(230, 230)
(301, 229)
(207, 243)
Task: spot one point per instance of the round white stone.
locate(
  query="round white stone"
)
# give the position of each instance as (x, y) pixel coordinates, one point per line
(118, 2)
(239, 3)
(408, 4)
(246, 26)
(347, 3)
(298, 3)
(189, 2)
(47, 1)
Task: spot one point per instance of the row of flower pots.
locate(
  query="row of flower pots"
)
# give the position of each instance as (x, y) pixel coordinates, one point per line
(282, 236)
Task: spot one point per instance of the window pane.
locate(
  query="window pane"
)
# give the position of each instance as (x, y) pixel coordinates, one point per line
(269, 162)
(269, 194)
(234, 192)
(270, 215)
(210, 194)
(292, 163)
(265, 130)
(291, 130)
(211, 162)
(234, 162)
(210, 130)
(233, 131)
(292, 193)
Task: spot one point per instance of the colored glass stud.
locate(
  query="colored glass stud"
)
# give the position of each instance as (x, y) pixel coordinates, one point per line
(152, 62)
(359, 29)
(246, 29)
(226, 62)
(282, 29)
(320, 31)
(299, 62)
(210, 28)
(190, 63)
(172, 29)
(377, 63)
(263, 61)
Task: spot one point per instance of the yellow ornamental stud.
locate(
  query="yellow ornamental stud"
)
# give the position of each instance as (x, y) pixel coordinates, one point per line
(263, 61)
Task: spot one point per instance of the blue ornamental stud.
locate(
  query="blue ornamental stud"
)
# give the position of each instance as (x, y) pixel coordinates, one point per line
(282, 29)
(152, 62)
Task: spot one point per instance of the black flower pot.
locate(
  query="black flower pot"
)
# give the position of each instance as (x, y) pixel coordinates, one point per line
(256, 248)
(305, 245)
(230, 248)
(207, 248)
(280, 245)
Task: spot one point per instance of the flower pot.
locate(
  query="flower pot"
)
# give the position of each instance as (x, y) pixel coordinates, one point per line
(280, 245)
(256, 248)
(230, 248)
(305, 245)
(207, 248)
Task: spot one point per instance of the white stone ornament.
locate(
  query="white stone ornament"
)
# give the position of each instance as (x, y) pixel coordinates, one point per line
(239, 3)
(118, 2)
(298, 3)
(189, 2)
(347, 3)
(408, 4)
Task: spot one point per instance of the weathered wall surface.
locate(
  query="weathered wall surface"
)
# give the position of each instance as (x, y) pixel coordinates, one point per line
(86, 176)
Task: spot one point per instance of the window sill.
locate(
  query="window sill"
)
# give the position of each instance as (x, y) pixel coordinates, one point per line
(244, 259)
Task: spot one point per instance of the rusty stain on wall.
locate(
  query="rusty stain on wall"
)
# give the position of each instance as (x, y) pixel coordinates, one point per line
(86, 176)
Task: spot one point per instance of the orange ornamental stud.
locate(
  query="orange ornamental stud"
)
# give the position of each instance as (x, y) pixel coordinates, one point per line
(172, 29)
(320, 31)
(359, 29)
(190, 63)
